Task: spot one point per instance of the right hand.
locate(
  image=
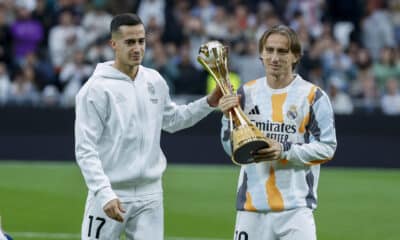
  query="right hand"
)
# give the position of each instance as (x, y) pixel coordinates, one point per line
(227, 102)
(271, 153)
(114, 210)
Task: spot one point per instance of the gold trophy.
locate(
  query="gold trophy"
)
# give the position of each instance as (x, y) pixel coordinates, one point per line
(245, 137)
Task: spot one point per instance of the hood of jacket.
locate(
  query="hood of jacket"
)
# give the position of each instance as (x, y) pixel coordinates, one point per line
(107, 70)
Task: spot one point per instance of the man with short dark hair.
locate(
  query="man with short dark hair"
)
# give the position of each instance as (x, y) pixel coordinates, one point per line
(120, 113)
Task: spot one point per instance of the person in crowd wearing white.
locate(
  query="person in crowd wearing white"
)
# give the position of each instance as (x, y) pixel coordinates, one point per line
(390, 101)
(341, 101)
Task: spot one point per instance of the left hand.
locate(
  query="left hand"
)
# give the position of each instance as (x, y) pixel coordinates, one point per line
(214, 96)
(272, 153)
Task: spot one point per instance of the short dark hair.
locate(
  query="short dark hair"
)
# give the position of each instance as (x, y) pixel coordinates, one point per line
(129, 19)
(294, 42)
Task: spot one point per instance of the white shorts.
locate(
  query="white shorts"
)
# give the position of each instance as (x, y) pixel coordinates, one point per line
(143, 220)
(296, 224)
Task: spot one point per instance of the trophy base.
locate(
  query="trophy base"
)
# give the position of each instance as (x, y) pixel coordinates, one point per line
(243, 154)
(246, 140)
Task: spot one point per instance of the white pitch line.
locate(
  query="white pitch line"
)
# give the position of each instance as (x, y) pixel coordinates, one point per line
(44, 235)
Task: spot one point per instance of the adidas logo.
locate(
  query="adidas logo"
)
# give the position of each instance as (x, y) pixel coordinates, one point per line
(254, 111)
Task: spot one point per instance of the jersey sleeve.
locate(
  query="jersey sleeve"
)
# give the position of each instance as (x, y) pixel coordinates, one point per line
(320, 137)
(225, 135)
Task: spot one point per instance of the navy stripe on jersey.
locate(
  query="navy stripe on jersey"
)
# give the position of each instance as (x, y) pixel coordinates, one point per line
(310, 198)
(312, 126)
(241, 195)
(240, 91)
(227, 133)
(318, 95)
(286, 146)
(306, 137)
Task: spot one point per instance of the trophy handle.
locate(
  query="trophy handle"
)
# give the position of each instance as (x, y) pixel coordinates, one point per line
(240, 117)
(230, 121)
(223, 88)
(245, 136)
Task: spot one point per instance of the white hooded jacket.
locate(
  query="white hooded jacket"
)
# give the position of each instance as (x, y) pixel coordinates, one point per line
(118, 127)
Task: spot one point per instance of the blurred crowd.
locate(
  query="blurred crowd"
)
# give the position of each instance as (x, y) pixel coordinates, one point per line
(351, 48)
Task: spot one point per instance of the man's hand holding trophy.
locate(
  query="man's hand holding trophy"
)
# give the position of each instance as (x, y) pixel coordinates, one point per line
(246, 138)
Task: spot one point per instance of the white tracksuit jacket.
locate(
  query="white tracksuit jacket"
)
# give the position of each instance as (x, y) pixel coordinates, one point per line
(118, 127)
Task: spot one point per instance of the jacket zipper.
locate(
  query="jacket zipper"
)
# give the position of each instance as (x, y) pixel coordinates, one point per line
(141, 117)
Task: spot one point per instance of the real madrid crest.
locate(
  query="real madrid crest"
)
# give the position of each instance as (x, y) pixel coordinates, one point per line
(292, 112)
(152, 92)
(151, 88)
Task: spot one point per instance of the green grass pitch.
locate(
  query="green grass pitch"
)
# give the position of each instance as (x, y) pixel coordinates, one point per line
(45, 201)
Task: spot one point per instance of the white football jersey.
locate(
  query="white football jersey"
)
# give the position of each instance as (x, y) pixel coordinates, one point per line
(301, 118)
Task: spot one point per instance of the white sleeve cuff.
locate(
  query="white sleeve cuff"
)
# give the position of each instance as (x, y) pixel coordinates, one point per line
(105, 195)
(204, 102)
